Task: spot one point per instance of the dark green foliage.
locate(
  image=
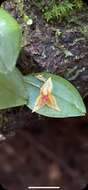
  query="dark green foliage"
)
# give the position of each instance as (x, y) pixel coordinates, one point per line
(58, 9)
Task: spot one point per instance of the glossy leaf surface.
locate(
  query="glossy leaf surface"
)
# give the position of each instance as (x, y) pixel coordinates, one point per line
(67, 97)
(10, 41)
(12, 89)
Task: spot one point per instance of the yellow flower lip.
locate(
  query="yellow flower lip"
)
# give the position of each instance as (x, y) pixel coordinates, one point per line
(45, 97)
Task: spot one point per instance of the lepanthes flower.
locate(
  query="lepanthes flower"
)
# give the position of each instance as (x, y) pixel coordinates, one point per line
(45, 97)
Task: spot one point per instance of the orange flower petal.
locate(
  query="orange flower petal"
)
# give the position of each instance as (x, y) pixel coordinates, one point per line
(47, 87)
(38, 103)
(52, 102)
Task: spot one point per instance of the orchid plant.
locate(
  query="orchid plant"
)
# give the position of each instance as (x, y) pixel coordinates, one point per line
(45, 93)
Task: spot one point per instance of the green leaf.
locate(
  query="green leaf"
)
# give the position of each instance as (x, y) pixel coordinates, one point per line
(12, 89)
(10, 41)
(67, 97)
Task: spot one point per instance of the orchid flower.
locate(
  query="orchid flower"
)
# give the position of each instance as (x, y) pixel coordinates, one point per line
(45, 97)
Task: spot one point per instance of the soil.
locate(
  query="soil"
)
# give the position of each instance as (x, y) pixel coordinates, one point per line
(39, 151)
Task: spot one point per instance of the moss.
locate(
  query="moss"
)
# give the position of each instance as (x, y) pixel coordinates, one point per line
(53, 9)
